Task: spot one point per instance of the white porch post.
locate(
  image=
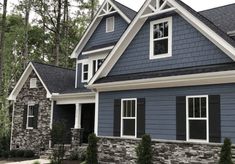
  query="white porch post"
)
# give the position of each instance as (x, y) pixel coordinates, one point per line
(78, 116)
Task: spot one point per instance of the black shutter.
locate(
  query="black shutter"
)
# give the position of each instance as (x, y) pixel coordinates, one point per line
(25, 116)
(140, 117)
(181, 118)
(35, 120)
(214, 119)
(117, 118)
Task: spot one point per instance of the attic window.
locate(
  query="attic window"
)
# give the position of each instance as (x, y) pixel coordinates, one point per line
(161, 38)
(33, 83)
(109, 24)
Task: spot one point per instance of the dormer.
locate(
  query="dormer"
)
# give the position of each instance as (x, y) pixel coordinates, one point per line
(103, 33)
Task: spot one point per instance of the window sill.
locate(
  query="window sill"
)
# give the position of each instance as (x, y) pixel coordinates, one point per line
(152, 57)
(197, 141)
(128, 137)
(29, 128)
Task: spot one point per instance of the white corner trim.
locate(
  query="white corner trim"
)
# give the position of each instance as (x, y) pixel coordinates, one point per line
(98, 50)
(91, 28)
(52, 112)
(23, 79)
(135, 26)
(96, 113)
(222, 77)
(12, 124)
(151, 44)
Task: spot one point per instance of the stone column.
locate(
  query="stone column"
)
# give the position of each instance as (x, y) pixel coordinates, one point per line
(77, 135)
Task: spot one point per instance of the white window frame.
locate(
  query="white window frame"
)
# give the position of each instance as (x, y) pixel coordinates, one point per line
(31, 104)
(85, 80)
(122, 118)
(107, 24)
(205, 119)
(96, 68)
(33, 83)
(151, 50)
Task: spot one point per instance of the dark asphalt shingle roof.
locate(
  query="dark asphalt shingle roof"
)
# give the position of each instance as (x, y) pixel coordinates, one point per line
(126, 10)
(100, 46)
(56, 79)
(167, 73)
(222, 17)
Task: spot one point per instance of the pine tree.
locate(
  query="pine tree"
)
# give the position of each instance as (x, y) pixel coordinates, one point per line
(225, 155)
(144, 151)
(91, 157)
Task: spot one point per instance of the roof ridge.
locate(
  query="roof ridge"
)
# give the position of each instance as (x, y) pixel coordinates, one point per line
(46, 64)
(124, 6)
(216, 7)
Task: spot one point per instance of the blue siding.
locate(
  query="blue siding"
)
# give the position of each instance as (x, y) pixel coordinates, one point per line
(190, 48)
(100, 36)
(161, 109)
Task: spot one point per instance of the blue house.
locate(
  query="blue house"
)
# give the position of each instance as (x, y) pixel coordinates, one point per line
(166, 70)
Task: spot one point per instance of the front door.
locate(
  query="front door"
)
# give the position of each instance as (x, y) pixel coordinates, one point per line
(87, 120)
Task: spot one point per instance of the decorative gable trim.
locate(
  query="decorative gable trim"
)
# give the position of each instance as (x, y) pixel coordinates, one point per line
(107, 8)
(22, 81)
(141, 18)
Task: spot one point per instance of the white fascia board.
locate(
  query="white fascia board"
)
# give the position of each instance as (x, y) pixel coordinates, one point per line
(222, 77)
(22, 81)
(137, 24)
(98, 50)
(226, 47)
(91, 28)
(56, 96)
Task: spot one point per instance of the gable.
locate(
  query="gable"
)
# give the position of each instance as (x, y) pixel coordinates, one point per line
(101, 39)
(189, 49)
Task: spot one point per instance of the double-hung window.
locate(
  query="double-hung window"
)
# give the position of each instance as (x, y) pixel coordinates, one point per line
(96, 65)
(129, 118)
(30, 116)
(161, 38)
(85, 72)
(197, 118)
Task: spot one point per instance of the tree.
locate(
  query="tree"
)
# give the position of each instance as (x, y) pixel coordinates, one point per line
(144, 151)
(225, 155)
(91, 157)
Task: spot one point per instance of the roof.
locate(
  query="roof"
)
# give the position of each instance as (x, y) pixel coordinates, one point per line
(126, 10)
(100, 46)
(222, 17)
(56, 79)
(167, 73)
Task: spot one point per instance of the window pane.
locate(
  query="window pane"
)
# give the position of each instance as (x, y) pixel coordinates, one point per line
(197, 107)
(129, 108)
(129, 127)
(85, 76)
(197, 129)
(94, 67)
(161, 47)
(203, 107)
(85, 67)
(160, 30)
(30, 122)
(133, 108)
(190, 101)
(100, 62)
(31, 111)
(165, 29)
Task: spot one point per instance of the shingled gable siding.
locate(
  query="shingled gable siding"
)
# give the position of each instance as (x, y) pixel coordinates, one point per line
(34, 139)
(100, 37)
(161, 109)
(190, 48)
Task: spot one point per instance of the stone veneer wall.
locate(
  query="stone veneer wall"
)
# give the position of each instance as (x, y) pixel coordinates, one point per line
(35, 139)
(116, 150)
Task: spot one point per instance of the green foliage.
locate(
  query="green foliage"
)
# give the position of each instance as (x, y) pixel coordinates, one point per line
(29, 154)
(91, 157)
(36, 162)
(12, 153)
(19, 153)
(144, 150)
(225, 154)
(74, 155)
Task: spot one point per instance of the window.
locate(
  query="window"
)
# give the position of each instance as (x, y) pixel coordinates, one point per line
(109, 24)
(33, 83)
(128, 119)
(85, 74)
(96, 65)
(197, 118)
(30, 116)
(161, 38)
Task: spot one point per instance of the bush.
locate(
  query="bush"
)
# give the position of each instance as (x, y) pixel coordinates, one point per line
(91, 156)
(5, 154)
(28, 154)
(144, 151)
(19, 153)
(225, 154)
(12, 153)
(74, 156)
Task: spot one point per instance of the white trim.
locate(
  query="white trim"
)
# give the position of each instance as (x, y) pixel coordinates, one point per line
(204, 119)
(169, 38)
(94, 24)
(138, 22)
(85, 80)
(56, 96)
(22, 81)
(96, 113)
(33, 83)
(52, 111)
(122, 118)
(108, 20)
(231, 33)
(222, 77)
(27, 118)
(76, 76)
(12, 124)
(97, 50)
